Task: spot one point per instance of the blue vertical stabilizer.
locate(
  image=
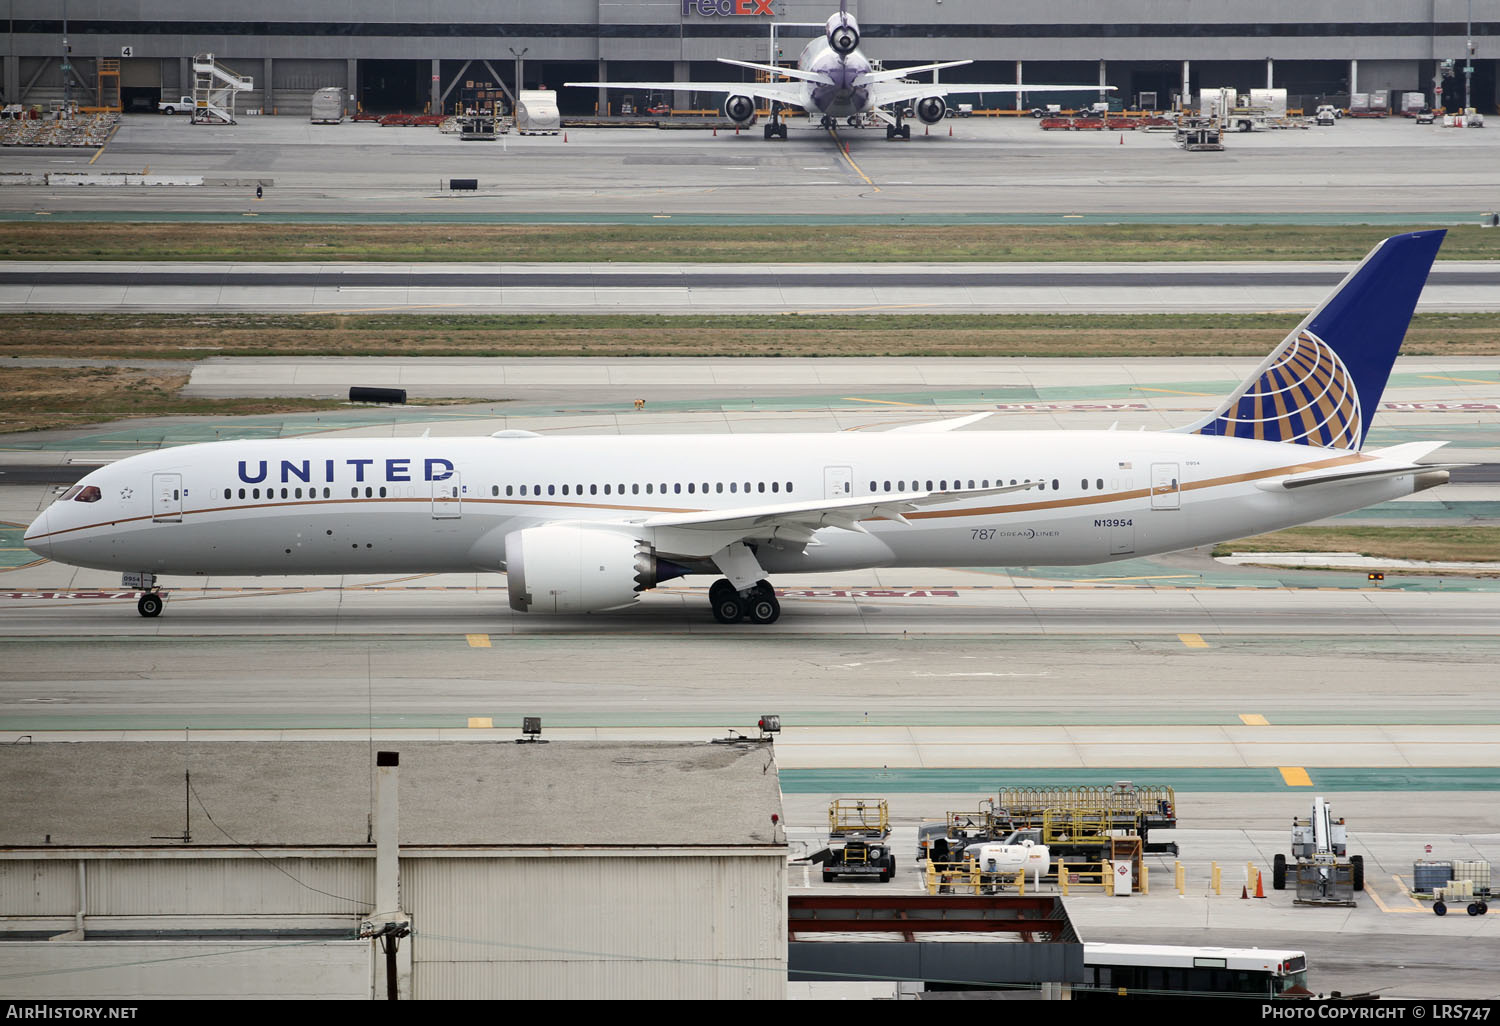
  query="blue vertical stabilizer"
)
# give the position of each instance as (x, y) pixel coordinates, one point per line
(1322, 385)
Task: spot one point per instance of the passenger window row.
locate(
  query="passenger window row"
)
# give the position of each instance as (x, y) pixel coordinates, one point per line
(650, 488)
(286, 493)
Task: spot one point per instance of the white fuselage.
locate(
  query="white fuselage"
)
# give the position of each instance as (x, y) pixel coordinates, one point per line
(446, 504)
(843, 97)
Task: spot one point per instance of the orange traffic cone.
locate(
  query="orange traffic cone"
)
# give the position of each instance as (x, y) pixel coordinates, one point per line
(1260, 891)
(950, 131)
(1244, 893)
(565, 137)
(1122, 138)
(926, 131)
(716, 132)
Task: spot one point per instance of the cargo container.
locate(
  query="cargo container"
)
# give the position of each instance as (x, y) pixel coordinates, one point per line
(328, 106)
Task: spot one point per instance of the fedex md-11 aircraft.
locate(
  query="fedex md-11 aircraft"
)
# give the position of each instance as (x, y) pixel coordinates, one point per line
(834, 79)
(586, 524)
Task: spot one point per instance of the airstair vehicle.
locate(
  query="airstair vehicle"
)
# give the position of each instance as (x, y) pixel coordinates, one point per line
(215, 90)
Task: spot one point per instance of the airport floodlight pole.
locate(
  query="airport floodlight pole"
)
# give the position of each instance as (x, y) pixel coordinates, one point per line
(1468, 55)
(67, 69)
(518, 55)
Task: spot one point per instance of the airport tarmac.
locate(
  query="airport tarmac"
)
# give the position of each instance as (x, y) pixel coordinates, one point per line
(1453, 286)
(1384, 167)
(1249, 689)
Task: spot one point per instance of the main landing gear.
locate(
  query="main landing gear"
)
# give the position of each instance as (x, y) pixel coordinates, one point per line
(758, 605)
(899, 130)
(776, 127)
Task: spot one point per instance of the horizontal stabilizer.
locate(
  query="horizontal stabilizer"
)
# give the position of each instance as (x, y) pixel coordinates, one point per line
(1389, 462)
(891, 74)
(1353, 475)
(771, 69)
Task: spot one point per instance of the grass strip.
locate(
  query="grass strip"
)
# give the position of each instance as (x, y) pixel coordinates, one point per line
(1441, 544)
(196, 336)
(51, 397)
(705, 243)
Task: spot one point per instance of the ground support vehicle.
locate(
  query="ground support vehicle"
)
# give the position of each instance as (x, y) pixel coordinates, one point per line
(1199, 134)
(857, 833)
(1123, 808)
(948, 837)
(180, 105)
(1325, 873)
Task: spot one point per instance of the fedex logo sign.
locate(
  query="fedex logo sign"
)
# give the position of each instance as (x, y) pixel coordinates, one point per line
(726, 8)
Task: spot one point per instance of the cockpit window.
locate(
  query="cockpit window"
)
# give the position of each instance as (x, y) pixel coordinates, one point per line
(88, 494)
(70, 493)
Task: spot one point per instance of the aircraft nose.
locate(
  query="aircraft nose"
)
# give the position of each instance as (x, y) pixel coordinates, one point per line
(36, 538)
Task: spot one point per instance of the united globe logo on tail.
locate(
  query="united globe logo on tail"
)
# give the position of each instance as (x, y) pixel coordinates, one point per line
(1307, 396)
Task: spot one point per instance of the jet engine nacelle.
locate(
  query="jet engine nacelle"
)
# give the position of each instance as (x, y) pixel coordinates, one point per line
(843, 33)
(740, 110)
(571, 568)
(931, 109)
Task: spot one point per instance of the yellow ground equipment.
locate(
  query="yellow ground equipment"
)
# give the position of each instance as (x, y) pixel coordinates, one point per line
(857, 832)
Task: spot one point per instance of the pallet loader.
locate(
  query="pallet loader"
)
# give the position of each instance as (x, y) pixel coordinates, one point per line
(1325, 873)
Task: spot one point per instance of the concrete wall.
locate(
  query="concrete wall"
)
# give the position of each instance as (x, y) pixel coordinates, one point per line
(142, 970)
(615, 925)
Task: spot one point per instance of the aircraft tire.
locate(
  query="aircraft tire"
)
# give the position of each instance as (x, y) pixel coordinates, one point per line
(1357, 864)
(763, 609)
(906, 131)
(1278, 873)
(150, 604)
(730, 609)
(719, 590)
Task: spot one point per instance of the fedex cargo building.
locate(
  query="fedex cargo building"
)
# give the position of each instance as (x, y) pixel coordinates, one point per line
(396, 56)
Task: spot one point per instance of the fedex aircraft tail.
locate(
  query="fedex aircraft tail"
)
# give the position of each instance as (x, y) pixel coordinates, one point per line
(1321, 386)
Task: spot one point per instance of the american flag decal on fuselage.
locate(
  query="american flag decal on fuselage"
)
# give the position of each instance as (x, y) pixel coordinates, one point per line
(1307, 396)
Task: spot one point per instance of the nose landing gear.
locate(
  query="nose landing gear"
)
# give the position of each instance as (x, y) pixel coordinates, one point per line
(150, 603)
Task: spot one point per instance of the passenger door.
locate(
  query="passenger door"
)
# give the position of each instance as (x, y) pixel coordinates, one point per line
(1166, 486)
(166, 498)
(448, 498)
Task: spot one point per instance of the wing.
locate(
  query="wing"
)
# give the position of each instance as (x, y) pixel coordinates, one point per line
(794, 93)
(882, 93)
(798, 521)
(934, 427)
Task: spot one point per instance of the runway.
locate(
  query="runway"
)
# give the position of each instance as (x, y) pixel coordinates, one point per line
(709, 288)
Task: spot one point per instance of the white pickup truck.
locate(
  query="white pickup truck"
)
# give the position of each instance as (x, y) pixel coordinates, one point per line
(183, 104)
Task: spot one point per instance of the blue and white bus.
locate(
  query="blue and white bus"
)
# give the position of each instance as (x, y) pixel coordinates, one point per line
(1164, 970)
